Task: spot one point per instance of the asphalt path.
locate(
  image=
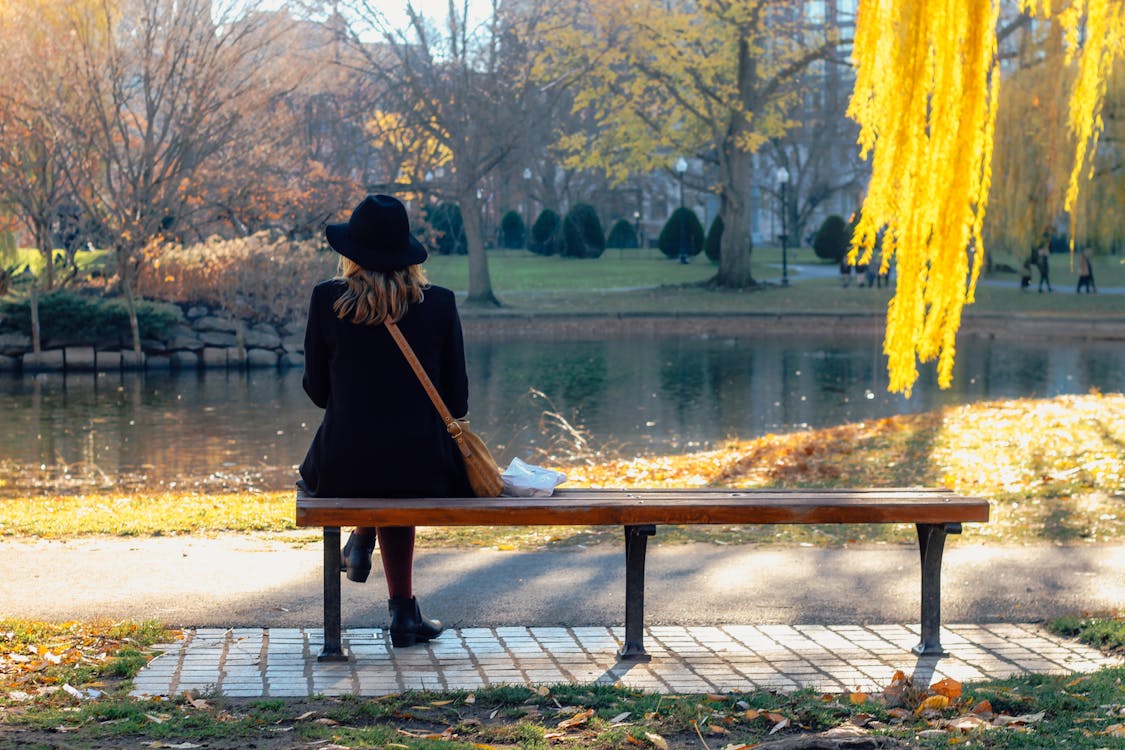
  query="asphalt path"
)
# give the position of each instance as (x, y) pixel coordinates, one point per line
(251, 580)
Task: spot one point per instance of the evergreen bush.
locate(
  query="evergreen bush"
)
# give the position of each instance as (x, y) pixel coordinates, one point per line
(831, 240)
(682, 227)
(67, 316)
(513, 232)
(445, 218)
(622, 234)
(545, 233)
(713, 245)
(583, 235)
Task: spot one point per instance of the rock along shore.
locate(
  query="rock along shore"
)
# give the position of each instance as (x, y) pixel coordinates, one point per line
(209, 340)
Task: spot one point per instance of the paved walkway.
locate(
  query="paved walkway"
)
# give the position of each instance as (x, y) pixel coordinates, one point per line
(281, 662)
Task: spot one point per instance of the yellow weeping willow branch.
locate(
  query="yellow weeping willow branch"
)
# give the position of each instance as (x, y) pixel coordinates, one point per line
(926, 97)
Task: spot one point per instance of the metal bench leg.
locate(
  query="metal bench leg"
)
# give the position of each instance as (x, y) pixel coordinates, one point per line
(636, 544)
(931, 545)
(332, 650)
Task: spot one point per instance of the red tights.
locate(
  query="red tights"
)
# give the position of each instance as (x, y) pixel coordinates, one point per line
(396, 548)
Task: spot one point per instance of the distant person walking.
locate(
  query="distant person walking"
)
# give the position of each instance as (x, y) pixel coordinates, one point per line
(1085, 272)
(1043, 260)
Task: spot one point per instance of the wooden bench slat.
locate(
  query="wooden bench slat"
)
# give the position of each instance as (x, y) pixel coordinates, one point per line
(629, 507)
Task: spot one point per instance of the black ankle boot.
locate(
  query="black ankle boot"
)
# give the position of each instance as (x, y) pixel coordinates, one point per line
(355, 557)
(407, 624)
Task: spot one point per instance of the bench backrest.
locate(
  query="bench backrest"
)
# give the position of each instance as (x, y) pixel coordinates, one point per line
(594, 507)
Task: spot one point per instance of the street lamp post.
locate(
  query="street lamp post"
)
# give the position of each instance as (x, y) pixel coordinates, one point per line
(527, 197)
(681, 168)
(783, 185)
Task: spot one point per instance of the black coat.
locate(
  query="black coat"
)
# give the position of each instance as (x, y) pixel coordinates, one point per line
(381, 435)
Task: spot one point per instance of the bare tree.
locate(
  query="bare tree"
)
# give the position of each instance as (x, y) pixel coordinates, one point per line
(166, 81)
(464, 89)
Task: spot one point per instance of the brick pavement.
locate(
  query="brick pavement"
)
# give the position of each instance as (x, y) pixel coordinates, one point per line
(281, 662)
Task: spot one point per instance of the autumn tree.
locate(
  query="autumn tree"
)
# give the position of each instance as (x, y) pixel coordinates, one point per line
(927, 104)
(456, 95)
(35, 147)
(714, 79)
(163, 79)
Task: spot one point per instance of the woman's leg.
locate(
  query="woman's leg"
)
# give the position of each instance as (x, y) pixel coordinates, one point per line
(396, 547)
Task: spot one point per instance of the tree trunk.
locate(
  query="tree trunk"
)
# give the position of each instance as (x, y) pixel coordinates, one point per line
(480, 282)
(734, 260)
(734, 165)
(124, 268)
(33, 304)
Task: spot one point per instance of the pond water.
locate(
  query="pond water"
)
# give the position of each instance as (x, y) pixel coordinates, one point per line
(528, 399)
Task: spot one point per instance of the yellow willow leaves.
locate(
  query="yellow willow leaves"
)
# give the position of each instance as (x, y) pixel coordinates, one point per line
(925, 99)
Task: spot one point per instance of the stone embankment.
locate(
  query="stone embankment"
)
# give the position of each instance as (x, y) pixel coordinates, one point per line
(204, 340)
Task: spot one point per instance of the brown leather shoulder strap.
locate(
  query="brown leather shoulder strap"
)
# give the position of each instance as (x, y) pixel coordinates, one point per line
(415, 365)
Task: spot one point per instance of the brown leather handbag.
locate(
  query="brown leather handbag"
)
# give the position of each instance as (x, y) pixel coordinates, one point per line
(484, 474)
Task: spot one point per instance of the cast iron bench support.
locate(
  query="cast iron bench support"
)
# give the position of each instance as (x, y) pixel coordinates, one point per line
(931, 545)
(636, 545)
(332, 649)
(935, 514)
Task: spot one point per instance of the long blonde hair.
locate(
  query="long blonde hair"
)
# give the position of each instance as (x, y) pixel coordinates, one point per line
(374, 296)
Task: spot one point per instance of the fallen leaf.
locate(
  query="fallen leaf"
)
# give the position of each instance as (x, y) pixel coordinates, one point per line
(857, 698)
(326, 721)
(440, 703)
(967, 723)
(620, 717)
(305, 715)
(579, 718)
(199, 703)
(158, 718)
(779, 726)
(861, 720)
(751, 713)
(543, 690)
(657, 741)
(471, 698)
(1114, 730)
(933, 703)
(984, 707)
(1007, 721)
(948, 687)
(718, 729)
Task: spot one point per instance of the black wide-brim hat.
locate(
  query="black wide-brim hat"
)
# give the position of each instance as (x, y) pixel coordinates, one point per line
(377, 236)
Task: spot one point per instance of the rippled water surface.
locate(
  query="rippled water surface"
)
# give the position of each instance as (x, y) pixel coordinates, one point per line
(640, 395)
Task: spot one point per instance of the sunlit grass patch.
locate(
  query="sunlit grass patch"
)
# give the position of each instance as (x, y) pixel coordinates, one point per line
(146, 513)
(1053, 470)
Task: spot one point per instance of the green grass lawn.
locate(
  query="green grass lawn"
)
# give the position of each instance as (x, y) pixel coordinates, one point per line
(644, 281)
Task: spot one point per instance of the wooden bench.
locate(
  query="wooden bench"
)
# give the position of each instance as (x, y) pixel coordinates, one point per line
(934, 512)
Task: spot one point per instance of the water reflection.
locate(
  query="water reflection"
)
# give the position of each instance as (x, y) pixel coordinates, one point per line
(636, 395)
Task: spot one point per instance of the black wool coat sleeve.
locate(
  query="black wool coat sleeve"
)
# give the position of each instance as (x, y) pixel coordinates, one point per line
(381, 435)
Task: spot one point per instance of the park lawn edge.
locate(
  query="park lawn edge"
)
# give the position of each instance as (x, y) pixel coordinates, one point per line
(1051, 468)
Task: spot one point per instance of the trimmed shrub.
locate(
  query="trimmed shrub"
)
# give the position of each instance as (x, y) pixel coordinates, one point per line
(622, 234)
(583, 236)
(831, 240)
(513, 232)
(713, 245)
(682, 227)
(545, 233)
(445, 218)
(65, 315)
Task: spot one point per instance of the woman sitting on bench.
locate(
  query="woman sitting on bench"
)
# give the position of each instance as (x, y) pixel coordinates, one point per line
(381, 436)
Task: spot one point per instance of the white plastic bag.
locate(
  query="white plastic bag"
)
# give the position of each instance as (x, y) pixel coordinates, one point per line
(522, 479)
